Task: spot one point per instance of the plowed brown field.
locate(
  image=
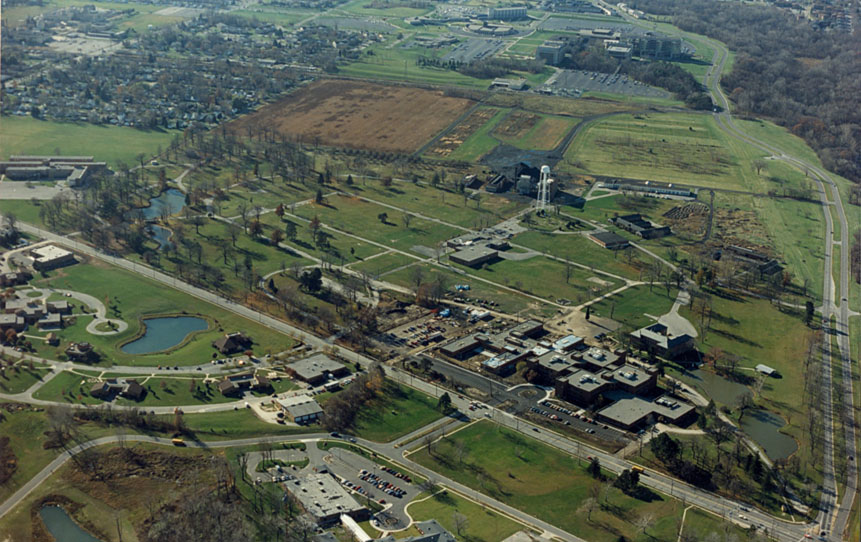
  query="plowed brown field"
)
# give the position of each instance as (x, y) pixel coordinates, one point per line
(360, 115)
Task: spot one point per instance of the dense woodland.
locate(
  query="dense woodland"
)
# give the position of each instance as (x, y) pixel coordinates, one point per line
(804, 79)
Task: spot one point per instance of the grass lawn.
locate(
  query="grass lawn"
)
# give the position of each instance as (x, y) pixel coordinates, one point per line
(480, 142)
(541, 133)
(131, 297)
(397, 411)
(603, 209)
(760, 333)
(545, 278)
(483, 525)
(67, 387)
(439, 203)
(583, 251)
(382, 264)
(673, 147)
(508, 301)
(111, 144)
(20, 378)
(546, 483)
(352, 215)
(632, 305)
(25, 211)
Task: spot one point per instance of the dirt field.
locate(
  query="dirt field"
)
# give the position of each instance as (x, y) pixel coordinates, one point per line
(360, 115)
(446, 145)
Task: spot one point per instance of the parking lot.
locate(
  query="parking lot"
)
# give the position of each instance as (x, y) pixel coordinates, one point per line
(368, 480)
(418, 333)
(474, 49)
(584, 81)
(566, 414)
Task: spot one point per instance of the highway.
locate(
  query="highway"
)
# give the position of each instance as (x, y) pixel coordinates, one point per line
(833, 518)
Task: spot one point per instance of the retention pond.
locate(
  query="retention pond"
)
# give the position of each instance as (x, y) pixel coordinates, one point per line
(163, 333)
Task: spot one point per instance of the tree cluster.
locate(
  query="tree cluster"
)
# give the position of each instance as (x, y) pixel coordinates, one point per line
(339, 413)
(669, 452)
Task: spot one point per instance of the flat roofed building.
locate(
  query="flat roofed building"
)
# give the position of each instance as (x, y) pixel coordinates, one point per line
(568, 343)
(51, 257)
(609, 240)
(597, 359)
(582, 387)
(552, 365)
(635, 380)
(634, 412)
(658, 340)
(507, 13)
(12, 321)
(324, 499)
(529, 328)
(474, 256)
(316, 369)
(551, 51)
(300, 409)
(461, 348)
(505, 362)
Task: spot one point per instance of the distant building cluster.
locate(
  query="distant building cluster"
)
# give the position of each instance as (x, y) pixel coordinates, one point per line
(200, 72)
(623, 393)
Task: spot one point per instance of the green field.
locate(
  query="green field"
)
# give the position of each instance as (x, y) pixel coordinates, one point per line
(632, 306)
(161, 391)
(579, 249)
(546, 483)
(20, 378)
(480, 142)
(358, 217)
(440, 203)
(398, 410)
(483, 524)
(683, 148)
(510, 302)
(545, 134)
(382, 264)
(131, 298)
(111, 144)
(758, 332)
(545, 278)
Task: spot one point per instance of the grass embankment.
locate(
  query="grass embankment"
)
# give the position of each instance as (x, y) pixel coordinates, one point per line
(482, 524)
(681, 148)
(548, 484)
(396, 411)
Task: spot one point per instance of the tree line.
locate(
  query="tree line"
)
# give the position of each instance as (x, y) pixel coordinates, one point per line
(804, 79)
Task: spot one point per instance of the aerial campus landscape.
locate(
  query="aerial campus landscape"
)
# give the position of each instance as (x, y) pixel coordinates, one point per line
(478, 271)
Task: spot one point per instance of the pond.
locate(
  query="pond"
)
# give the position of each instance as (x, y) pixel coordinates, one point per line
(171, 199)
(720, 389)
(161, 235)
(163, 333)
(764, 428)
(62, 527)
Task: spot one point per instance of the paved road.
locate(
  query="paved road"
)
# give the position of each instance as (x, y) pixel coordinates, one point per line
(834, 515)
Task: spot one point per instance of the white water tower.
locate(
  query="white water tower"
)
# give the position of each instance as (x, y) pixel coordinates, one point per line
(543, 192)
